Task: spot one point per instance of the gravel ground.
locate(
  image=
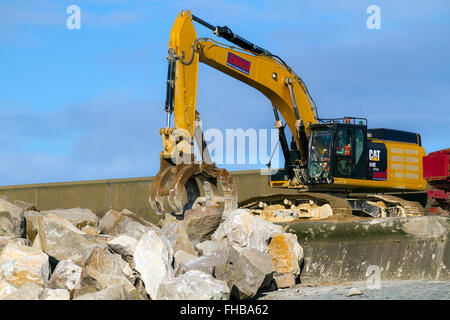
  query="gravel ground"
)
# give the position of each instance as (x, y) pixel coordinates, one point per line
(390, 290)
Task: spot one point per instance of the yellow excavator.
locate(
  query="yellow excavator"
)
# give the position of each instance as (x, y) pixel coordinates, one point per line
(336, 161)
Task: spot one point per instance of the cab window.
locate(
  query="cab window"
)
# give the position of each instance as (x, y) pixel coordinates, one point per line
(343, 152)
(319, 153)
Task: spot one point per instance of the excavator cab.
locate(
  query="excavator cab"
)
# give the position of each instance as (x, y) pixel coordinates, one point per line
(337, 149)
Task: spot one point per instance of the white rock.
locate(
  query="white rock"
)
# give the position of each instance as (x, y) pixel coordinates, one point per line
(152, 259)
(201, 222)
(21, 264)
(104, 269)
(252, 271)
(62, 240)
(6, 289)
(79, 217)
(55, 294)
(353, 292)
(182, 257)
(29, 291)
(31, 224)
(66, 275)
(106, 223)
(212, 248)
(116, 292)
(61, 221)
(11, 218)
(179, 239)
(123, 245)
(243, 229)
(130, 224)
(207, 264)
(322, 212)
(194, 285)
(5, 240)
(25, 205)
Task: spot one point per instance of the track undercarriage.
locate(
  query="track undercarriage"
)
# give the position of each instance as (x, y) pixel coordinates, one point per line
(179, 188)
(318, 205)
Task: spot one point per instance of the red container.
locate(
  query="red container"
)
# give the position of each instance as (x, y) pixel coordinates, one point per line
(436, 165)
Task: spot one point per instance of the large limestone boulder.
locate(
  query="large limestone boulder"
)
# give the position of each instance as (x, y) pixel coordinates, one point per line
(101, 239)
(26, 206)
(284, 280)
(6, 289)
(5, 240)
(67, 275)
(207, 264)
(114, 292)
(182, 257)
(106, 223)
(251, 271)
(245, 230)
(104, 269)
(125, 246)
(178, 237)
(194, 285)
(200, 223)
(79, 217)
(21, 264)
(55, 294)
(212, 248)
(126, 223)
(31, 223)
(11, 219)
(62, 240)
(286, 253)
(152, 259)
(29, 291)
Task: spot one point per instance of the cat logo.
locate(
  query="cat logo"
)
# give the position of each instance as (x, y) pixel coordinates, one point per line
(374, 155)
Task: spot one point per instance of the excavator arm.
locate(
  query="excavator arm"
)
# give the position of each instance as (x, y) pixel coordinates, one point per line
(248, 63)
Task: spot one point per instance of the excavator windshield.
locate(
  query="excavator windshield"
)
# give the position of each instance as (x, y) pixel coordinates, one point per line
(319, 156)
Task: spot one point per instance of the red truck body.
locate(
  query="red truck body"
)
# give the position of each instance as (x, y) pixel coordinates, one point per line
(436, 171)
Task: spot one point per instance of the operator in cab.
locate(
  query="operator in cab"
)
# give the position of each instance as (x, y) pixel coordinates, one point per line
(343, 154)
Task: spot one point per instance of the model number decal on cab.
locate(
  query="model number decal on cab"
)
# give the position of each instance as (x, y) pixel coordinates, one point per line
(377, 169)
(238, 63)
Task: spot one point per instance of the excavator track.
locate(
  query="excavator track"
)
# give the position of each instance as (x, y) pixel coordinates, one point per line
(411, 207)
(391, 205)
(338, 204)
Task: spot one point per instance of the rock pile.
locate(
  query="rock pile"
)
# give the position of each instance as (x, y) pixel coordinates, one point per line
(67, 254)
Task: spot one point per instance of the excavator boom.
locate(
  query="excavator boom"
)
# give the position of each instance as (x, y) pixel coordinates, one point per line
(248, 63)
(255, 66)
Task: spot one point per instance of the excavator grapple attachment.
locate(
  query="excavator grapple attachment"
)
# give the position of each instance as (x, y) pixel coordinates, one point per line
(172, 180)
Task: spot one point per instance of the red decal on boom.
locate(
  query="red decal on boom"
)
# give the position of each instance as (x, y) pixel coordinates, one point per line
(238, 63)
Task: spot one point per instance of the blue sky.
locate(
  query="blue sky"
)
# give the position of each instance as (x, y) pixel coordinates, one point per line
(87, 104)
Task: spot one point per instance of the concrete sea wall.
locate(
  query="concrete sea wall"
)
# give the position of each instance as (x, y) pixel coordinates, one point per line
(102, 195)
(415, 248)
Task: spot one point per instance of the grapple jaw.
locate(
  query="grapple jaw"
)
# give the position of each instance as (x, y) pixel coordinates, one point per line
(172, 179)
